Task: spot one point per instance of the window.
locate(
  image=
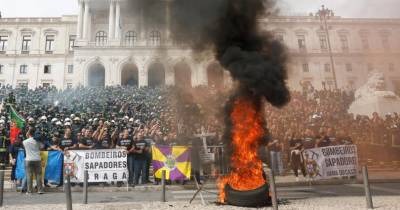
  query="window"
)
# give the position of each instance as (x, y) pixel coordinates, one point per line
(370, 67)
(26, 43)
(327, 67)
(3, 43)
(23, 69)
(349, 67)
(1, 69)
(330, 83)
(344, 42)
(70, 69)
(72, 42)
(306, 68)
(365, 43)
(69, 85)
(130, 38)
(385, 43)
(155, 38)
(47, 69)
(101, 38)
(279, 37)
(351, 84)
(49, 47)
(46, 85)
(391, 66)
(301, 39)
(323, 42)
(22, 85)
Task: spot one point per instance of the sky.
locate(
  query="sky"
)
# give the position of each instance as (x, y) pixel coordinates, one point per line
(344, 8)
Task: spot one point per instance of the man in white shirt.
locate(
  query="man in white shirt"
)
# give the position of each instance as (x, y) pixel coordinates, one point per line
(33, 163)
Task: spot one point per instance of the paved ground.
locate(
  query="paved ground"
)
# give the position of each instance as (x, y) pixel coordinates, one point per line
(285, 193)
(323, 203)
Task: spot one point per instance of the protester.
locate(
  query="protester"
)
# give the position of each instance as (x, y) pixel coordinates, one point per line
(99, 118)
(33, 166)
(140, 158)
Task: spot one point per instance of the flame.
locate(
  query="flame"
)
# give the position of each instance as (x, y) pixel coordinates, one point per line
(246, 167)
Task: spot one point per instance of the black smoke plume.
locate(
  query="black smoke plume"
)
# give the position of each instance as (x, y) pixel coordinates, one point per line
(231, 28)
(254, 59)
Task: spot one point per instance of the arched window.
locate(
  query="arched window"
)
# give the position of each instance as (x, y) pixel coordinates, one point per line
(101, 38)
(130, 38)
(155, 38)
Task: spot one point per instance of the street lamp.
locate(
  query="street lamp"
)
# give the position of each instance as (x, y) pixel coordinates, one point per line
(324, 14)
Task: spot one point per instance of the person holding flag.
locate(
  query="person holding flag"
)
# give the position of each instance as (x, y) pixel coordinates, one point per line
(17, 124)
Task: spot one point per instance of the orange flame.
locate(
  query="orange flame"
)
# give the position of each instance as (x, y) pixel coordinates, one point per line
(246, 167)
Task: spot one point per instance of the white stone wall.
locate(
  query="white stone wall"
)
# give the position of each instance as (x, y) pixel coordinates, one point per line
(114, 55)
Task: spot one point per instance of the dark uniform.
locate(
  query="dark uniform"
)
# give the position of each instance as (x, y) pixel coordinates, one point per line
(104, 143)
(87, 141)
(66, 142)
(128, 143)
(296, 156)
(4, 146)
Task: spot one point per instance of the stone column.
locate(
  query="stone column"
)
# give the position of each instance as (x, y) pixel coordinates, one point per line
(117, 20)
(143, 76)
(80, 15)
(86, 20)
(111, 21)
(168, 20)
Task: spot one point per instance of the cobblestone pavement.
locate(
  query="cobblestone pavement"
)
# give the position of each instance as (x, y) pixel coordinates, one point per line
(326, 203)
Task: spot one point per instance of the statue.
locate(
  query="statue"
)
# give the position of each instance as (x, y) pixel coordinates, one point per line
(374, 97)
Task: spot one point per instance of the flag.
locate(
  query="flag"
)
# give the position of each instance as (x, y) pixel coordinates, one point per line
(17, 125)
(52, 163)
(174, 160)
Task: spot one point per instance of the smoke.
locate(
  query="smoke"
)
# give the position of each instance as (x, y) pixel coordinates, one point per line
(231, 29)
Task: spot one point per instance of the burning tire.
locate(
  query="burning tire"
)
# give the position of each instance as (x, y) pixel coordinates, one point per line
(252, 198)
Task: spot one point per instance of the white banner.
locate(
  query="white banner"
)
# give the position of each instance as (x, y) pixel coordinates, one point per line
(102, 165)
(329, 162)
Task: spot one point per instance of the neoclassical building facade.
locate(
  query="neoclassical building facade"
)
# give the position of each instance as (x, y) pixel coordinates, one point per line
(108, 44)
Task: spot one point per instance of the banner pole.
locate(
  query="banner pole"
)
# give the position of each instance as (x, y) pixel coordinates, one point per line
(272, 188)
(367, 188)
(67, 188)
(1, 187)
(85, 187)
(163, 198)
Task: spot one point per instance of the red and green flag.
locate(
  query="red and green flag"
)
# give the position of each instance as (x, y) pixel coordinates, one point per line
(17, 124)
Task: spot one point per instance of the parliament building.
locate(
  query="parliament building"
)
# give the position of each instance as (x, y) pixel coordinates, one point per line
(108, 44)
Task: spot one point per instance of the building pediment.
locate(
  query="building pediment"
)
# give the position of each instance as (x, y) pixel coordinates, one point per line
(385, 32)
(343, 32)
(27, 31)
(300, 32)
(50, 31)
(279, 31)
(363, 32)
(4, 32)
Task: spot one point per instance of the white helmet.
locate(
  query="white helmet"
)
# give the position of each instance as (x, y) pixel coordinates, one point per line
(31, 119)
(72, 116)
(43, 118)
(67, 120)
(77, 119)
(2, 121)
(54, 120)
(58, 123)
(131, 120)
(67, 124)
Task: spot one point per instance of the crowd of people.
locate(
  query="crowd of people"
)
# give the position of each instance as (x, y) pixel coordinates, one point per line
(319, 119)
(134, 118)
